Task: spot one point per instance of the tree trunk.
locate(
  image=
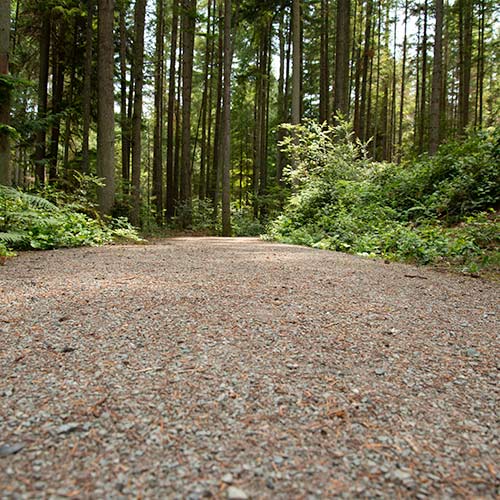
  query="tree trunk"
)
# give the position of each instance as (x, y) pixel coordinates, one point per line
(5, 174)
(188, 29)
(105, 117)
(214, 174)
(324, 94)
(226, 120)
(423, 86)
(403, 83)
(124, 113)
(281, 101)
(43, 78)
(170, 201)
(437, 81)
(158, 113)
(465, 54)
(87, 82)
(71, 92)
(204, 106)
(364, 73)
(138, 79)
(296, 66)
(58, 56)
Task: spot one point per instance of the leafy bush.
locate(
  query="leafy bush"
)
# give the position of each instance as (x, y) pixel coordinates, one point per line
(30, 221)
(431, 211)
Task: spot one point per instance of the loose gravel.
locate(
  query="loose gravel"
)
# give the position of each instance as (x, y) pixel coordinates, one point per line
(236, 368)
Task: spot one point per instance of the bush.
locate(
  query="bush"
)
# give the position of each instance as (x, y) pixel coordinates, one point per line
(438, 209)
(30, 221)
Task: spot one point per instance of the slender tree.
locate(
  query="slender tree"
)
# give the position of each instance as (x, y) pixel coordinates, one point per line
(437, 81)
(465, 13)
(226, 120)
(324, 108)
(124, 111)
(138, 78)
(43, 78)
(105, 107)
(296, 67)
(171, 106)
(188, 28)
(5, 174)
(158, 113)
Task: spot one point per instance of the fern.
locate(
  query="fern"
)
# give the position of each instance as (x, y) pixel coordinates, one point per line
(9, 193)
(12, 238)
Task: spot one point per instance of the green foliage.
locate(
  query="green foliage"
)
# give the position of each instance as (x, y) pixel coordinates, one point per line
(438, 209)
(31, 221)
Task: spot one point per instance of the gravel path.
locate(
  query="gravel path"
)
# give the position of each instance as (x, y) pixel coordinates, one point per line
(234, 368)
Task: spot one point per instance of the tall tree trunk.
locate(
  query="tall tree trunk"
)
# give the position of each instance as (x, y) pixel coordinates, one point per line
(364, 73)
(171, 197)
(376, 128)
(226, 120)
(138, 79)
(43, 78)
(324, 94)
(437, 81)
(58, 56)
(358, 74)
(124, 113)
(403, 83)
(105, 111)
(71, 92)
(188, 28)
(423, 85)
(465, 12)
(87, 83)
(158, 113)
(281, 102)
(5, 173)
(204, 106)
(478, 118)
(215, 172)
(296, 67)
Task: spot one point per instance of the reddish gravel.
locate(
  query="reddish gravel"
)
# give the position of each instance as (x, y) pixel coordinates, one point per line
(235, 368)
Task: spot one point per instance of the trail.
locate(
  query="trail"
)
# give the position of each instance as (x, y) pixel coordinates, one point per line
(210, 367)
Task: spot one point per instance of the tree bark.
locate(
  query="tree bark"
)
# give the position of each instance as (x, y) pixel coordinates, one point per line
(170, 201)
(124, 112)
(43, 78)
(437, 81)
(158, 114)
(324, 110)
(87, 82)
(138, 79)
(105, 108)
(188, 29)
(296, 66)
(5, 173)
(465, 61)
(226, 120)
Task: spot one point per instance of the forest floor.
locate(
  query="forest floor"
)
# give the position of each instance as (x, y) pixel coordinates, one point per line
(234, 368)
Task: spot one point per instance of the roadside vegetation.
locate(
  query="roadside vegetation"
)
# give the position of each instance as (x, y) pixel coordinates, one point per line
(439, 210)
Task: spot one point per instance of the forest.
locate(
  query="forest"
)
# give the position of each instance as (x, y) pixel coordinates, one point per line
(364, 126)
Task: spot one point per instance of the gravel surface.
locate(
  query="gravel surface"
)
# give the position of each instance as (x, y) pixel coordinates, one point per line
(236, 368)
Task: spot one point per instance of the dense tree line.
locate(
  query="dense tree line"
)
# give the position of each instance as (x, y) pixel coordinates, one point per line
(176, 100)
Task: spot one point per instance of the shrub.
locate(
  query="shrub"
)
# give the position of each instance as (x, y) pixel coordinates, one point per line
(430, 211)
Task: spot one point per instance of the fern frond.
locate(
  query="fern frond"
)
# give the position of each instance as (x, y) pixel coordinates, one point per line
(11, 238)
(30, 199)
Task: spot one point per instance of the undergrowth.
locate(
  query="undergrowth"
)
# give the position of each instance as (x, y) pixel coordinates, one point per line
(53, 220)
(440, 210)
